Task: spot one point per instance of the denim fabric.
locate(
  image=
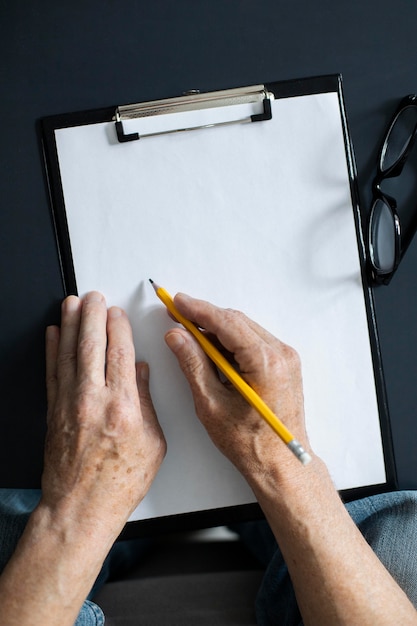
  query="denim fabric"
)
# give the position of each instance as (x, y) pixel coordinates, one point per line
(90, 615)
(387, 521)
(276, 602)
(389, 524)
(15, 508)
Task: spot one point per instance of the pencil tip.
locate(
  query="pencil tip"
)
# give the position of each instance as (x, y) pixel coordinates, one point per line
(154, 285)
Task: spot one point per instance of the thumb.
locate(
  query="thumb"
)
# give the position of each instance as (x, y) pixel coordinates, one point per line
(51, 350)
(196, 366)
(142, 382)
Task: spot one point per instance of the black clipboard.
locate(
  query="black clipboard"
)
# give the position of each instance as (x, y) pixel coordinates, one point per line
(118, 120)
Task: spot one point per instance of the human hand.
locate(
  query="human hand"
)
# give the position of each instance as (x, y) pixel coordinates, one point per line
(104, 445)
(270, 367)
(331, 578)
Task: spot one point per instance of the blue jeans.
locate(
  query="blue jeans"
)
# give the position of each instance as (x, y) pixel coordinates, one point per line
(387, 521)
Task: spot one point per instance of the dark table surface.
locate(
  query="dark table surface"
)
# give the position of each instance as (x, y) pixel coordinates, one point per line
(66, 56)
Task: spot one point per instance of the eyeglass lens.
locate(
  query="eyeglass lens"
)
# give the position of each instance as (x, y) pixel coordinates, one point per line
(382, 237)
(398, 137)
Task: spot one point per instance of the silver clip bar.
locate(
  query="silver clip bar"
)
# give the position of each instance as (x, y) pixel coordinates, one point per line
(191, 102)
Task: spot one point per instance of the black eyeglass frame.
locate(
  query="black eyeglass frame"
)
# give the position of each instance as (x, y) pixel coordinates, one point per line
(380, 276)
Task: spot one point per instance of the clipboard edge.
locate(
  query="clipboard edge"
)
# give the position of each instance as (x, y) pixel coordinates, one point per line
(280, 89)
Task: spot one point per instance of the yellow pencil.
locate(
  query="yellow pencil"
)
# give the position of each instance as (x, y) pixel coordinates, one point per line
(237, 381)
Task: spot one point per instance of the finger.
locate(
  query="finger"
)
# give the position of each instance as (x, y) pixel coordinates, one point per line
(264, 334)
(120, 357)
(68, 342)
(196, 366)
(92, 339)
(148, 411)
(51, 353)
(210, 317)
(240, 335)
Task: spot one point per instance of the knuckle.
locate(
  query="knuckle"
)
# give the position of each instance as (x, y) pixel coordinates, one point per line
(270, 357)
(232, 318)
(232, 315)
(51, 380)
(292, 357)
(120, 418)
(192, 366)
(285, 360)
(85, 411)
(120, 355)
(66, 360)
(87, 346)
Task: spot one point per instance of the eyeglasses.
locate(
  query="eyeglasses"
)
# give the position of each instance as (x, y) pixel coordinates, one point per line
(387, 240)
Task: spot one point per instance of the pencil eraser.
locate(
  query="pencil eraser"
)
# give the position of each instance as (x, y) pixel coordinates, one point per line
(305, 458)
(296, 447)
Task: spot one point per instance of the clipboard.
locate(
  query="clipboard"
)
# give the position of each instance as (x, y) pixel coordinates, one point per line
(245, 197)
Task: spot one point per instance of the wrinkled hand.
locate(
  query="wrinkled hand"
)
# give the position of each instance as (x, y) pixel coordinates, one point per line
(104, 445)
(271, 367)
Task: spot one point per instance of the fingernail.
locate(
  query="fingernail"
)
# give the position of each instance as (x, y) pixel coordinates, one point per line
(174, 340)
(115, 312)
(71, 304)
(183, 296)
(52, 333)
(94, 296)
(144, 372)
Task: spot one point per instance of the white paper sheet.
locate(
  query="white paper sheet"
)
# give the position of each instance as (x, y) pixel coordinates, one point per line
(257, 217)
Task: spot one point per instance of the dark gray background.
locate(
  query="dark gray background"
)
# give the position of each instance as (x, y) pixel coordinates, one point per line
(64, 56)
